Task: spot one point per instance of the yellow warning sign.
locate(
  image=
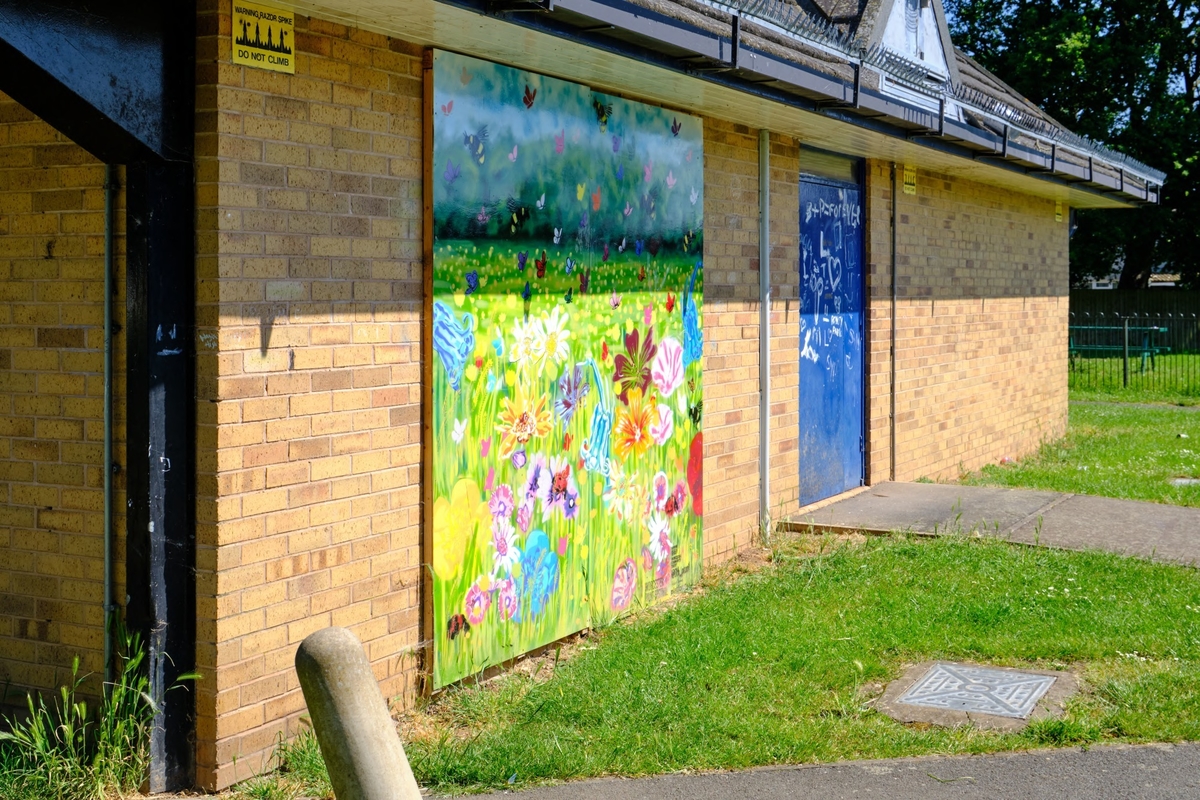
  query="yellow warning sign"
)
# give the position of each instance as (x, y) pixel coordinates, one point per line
(1058, 211)
(263, 37)
(910, 179)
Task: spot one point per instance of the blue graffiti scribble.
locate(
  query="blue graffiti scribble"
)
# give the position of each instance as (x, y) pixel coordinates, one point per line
(453, 341)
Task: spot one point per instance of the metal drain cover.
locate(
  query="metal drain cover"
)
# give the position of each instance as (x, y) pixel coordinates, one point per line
(997, 698)
(979, 690)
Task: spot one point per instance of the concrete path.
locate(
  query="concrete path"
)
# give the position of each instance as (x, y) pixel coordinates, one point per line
(1147, 772)
(1076, 522)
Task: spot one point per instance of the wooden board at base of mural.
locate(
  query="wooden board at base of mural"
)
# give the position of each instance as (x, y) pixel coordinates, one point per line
(567, 403)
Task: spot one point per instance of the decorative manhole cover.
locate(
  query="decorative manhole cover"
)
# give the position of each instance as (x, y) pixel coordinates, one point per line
(979, 690)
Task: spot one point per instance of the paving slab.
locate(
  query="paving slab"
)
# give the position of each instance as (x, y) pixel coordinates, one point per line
(1053, 519)
(1109, 772)
(931, 508)
(1131, 527)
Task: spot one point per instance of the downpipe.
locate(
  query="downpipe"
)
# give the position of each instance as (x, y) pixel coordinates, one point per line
(764, 327)
(106, 466)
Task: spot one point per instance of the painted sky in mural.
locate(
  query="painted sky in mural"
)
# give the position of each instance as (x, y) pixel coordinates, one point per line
(567, 410)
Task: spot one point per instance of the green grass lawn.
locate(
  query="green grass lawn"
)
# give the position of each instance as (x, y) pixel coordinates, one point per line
(1175, 378)
(782, 665)
(1115, 451)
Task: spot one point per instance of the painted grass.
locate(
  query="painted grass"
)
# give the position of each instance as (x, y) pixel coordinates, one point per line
(781, 666)
(1113, 450)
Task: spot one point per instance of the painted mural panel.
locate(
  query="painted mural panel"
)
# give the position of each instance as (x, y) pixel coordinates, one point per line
(831, 339)
(567, 408)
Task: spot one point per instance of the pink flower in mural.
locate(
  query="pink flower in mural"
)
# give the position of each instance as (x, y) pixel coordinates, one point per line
(662, 428)
(667, 370)
(501, 502)
(624, 584)
(476, 604)
(662, 575)
(525, 516)
(506, 598)
(676, 500)
(660, 538)
(661, 486)
(504, 540)
(631, 369)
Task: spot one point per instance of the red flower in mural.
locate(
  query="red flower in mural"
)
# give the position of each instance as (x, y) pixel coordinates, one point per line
(631, 369)
(695, 473)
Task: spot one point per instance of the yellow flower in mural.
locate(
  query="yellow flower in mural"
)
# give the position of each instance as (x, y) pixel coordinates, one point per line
(454, 522)
(631, 432)
(521, 419)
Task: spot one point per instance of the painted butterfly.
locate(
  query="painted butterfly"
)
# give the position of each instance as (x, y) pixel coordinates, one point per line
(637, 247)
(448, 107)
(529, 96)
(559, 140)
(647, 170)
(654, 245)
(604, 257)
(670, 302)
(472, 282)
(584, 278)
(687, 240)
(603, 112)
(614, 300)
(621, 246)
(456, 626)
(513, 155)
(452, 172)
(671, 180)
(522, 258)
(541, 203)
(483, 216)
(583, 221)
(475, 143)
(596, 199)
(570, 265)
(694, 196)
(566, 441)
(558, 235)
(568, 296)
(465, 77)
(620, 172)
(642, 273)
(696, 412)
(628, 209)
(526, 293)
(616, 143)
(540, 263)
(520, 215)
(676, 127)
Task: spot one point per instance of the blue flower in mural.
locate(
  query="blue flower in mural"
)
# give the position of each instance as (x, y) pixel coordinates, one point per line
(693, 337)
(453, 341)
(539, 572)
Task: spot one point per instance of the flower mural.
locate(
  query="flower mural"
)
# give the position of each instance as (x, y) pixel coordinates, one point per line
(567, 340)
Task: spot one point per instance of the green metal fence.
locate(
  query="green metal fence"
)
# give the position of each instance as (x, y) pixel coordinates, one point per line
(1157, 354)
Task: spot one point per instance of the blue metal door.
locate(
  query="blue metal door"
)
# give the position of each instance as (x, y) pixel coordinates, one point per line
(831, 338)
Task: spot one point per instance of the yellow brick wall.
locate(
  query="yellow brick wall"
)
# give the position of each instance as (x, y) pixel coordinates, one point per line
(51, 404)
(981, 320)
(731, 334)
(309, 301)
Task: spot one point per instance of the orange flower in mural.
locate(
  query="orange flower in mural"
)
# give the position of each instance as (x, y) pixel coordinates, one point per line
(521, 419)
(631, 431)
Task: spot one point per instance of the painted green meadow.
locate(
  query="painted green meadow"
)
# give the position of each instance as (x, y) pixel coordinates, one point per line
(568, 282)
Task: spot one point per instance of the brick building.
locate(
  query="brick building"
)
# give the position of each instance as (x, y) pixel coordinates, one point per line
(254, 459)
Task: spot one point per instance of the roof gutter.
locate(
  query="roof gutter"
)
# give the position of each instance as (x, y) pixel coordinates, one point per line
(630, 30)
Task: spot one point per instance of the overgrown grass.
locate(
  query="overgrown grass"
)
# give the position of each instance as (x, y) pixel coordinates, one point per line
(1136, 395)
(782, 666)
(300, 773)
(1114, 451)
(66, 751)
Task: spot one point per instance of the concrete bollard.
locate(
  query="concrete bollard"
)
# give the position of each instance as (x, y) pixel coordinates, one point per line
(358, 738)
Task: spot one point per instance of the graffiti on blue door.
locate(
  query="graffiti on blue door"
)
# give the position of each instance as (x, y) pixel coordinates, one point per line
(831, 339)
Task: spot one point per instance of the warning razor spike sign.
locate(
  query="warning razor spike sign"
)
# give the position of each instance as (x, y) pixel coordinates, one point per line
(263, 37)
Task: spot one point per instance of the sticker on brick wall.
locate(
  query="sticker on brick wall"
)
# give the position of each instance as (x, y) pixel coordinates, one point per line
(1058, 215)
(567, 402)
(263, 37)
(910, 180)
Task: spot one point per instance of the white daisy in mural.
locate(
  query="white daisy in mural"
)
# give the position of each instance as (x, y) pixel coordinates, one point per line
(524, 340)
(550, 338)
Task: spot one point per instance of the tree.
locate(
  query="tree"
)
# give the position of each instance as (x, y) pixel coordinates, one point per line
(1125, 73)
